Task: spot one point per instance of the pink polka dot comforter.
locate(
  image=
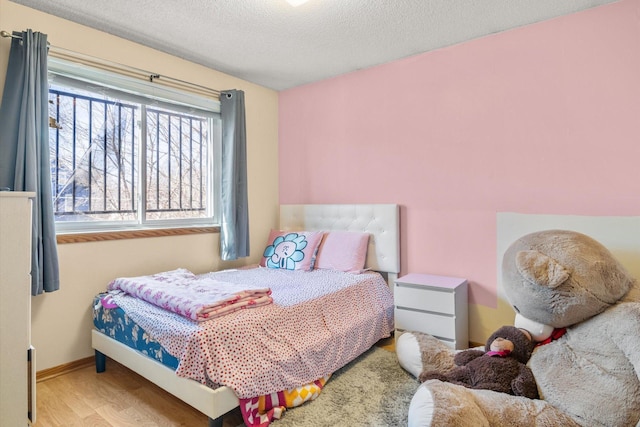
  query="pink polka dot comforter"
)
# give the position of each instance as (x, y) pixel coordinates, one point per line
(319, 321)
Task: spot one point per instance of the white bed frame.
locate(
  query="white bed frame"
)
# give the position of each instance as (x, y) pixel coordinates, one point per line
(382, 221)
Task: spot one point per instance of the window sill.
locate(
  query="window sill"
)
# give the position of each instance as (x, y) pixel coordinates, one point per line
(131, 234)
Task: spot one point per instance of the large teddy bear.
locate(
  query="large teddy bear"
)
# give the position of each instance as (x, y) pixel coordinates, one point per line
(568, 288)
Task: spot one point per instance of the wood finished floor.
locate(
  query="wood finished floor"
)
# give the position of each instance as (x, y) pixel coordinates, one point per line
(119, 398)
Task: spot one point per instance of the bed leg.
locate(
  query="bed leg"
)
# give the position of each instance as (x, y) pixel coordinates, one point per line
(215, 423)
(101, 362)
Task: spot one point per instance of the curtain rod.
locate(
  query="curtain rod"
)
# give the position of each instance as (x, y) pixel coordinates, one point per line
(4, 33)
(127, 70)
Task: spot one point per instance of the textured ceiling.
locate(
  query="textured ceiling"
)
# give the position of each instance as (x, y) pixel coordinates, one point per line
(273, 44)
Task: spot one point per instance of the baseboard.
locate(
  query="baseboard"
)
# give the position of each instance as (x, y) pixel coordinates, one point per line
(476, 344)
(47, 374)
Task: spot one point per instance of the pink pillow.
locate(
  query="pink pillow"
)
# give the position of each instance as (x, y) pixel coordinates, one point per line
(343, 251)
(291, 250)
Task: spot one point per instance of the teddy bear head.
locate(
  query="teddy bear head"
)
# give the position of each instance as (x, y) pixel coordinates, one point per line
(560, 277)
(515, 340)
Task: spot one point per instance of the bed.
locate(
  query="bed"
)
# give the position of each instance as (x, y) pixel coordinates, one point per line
(381, 222)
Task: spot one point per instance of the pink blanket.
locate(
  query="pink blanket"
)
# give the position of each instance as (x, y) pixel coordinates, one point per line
(197, 298)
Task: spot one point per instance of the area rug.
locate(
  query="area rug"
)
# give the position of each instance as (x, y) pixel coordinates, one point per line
(373, 390)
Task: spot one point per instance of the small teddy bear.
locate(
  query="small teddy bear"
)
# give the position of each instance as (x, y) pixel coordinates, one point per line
(501, 367)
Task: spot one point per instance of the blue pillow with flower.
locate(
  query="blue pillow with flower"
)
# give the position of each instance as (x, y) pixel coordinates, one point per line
(291, 250)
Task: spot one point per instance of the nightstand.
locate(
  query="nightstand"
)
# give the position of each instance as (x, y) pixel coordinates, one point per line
(436, 305)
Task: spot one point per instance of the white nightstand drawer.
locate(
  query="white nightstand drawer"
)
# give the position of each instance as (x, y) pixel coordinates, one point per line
(430, 323)
(417, 297)
(435, 305)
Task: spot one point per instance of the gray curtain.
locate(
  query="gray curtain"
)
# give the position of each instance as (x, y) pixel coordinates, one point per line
(24, 149)
(234, 224)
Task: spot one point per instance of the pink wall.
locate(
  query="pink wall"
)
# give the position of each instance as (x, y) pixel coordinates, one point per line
(540, 119)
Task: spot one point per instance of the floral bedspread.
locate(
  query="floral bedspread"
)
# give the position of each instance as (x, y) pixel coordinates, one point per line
(114, 323)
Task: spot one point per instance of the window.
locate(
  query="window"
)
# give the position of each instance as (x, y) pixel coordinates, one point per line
(130, 154)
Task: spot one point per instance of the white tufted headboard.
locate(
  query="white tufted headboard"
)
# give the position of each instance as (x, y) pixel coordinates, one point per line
(382, 221)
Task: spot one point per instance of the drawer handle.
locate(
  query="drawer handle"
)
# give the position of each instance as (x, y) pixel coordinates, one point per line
(399, 307)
